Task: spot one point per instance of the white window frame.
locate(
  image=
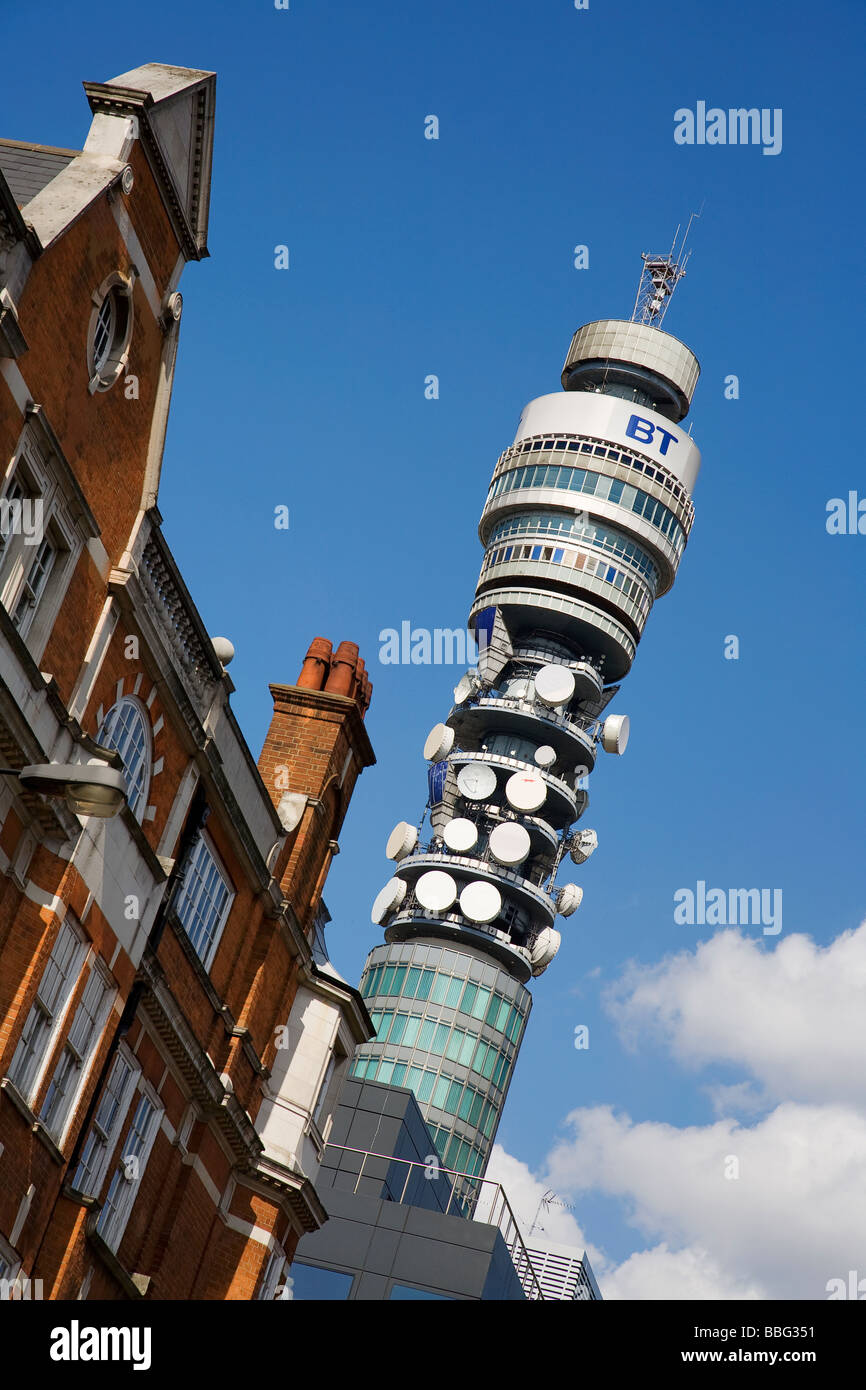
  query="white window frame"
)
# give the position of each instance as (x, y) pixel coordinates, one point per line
(33, 580)
(17, 489)
(29, 1079)
(106, 367)
(10, 1262)
(272, 1275)
(131, 701)
(25, 481)
(189, 895)
(126, 1179)
(45, 476)
(104, 1132)
(77, 1058)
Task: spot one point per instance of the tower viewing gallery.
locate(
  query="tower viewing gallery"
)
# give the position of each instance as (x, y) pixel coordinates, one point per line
(585, 522)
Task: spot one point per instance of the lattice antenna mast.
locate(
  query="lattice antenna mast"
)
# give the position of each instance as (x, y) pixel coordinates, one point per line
(659, 278)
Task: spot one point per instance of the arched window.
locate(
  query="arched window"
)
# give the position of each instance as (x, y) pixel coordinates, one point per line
(126, 728)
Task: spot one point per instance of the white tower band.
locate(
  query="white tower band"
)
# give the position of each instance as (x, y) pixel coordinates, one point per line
(583, 528)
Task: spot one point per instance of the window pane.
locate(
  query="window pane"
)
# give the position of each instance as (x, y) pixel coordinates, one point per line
(481, 1003)
(126, 729)
(310, 1282)
(440, 988)
(454, 991)
(204, 901)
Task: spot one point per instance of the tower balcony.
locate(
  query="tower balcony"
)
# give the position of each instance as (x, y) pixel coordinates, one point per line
(578, 621)
(493, 713)
(574, 572)
(620, 352)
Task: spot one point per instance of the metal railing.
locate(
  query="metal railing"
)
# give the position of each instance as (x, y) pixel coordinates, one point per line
(464, 1198)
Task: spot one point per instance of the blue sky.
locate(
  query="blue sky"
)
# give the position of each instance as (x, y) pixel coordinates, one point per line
(455, 257)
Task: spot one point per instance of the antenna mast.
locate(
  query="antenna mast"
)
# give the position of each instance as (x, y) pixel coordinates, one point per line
(659, 278)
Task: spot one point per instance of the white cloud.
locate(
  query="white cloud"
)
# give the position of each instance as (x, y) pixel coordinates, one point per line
(792, 1017)
(661, 1273)
(793, 1218)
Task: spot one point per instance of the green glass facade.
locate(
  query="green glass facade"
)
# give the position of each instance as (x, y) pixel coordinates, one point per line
(448, 1024)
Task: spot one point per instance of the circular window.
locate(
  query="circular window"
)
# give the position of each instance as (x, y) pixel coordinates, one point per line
(126, 729)
(110, 332)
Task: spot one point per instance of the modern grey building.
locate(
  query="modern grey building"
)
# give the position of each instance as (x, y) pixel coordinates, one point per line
(396, 1228)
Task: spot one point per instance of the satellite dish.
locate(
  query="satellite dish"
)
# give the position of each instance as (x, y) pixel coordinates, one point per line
(614, 733)
(436, 890)
(388, 900)
(583, 844)
(460, 834)
(480, 901)
(525, 791)
(466, 686)
(568, 899)
(518, 688)
(439, 743)
(509, 843)
(544, 948)
(402, 840)
(545, 756)
(554, 685)
(476, 781)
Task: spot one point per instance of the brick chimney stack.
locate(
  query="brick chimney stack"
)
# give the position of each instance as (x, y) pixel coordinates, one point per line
(317, 747)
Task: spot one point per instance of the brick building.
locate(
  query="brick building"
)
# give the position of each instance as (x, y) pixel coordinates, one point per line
(172, 1034)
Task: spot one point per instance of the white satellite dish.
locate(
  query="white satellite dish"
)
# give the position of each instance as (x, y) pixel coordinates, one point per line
(460, 834)
(466, 686)
(525, 791)
(388, 900)
(438, 743)
(614, 733)
(480, 901)
(436, 890)
(476, 781)
(554, 685)
(583, 844)
(518, 688)
(401, 841)
(545, 756)
(509, 843)
(568, 899)
(544, 948)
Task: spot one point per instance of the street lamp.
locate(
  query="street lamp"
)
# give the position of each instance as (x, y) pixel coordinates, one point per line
(89, 789)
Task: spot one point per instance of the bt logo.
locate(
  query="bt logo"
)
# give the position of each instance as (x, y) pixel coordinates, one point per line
(643, 431)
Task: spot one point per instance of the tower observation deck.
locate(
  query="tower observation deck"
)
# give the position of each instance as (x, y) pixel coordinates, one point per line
(584, 525)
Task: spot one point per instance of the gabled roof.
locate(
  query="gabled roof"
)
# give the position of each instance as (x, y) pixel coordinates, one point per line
(28, 168)
(174, 108)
